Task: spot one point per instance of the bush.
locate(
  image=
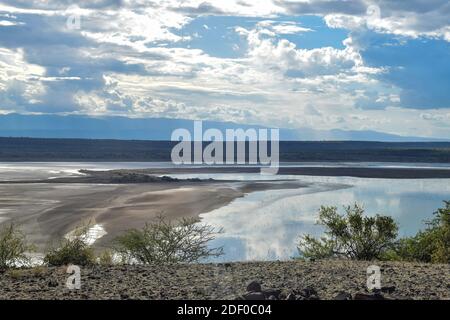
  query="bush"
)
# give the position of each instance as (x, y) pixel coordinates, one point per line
(352, 235)
(430, 245)
(72, 250)
(13, 248)
(164, 242)
(106, 258)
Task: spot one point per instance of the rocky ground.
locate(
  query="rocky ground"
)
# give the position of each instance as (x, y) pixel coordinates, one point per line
(254, 280)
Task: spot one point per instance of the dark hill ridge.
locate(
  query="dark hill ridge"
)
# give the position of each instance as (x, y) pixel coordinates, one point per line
(41, 149)
(124, 128)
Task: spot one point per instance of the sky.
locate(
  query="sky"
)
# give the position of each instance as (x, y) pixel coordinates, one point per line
(351, 65)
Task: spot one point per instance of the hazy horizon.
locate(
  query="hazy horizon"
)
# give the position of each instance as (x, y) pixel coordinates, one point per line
(374, 68)
(123, 128)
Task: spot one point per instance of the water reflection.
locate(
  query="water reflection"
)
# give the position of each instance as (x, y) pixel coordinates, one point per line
(265, 225)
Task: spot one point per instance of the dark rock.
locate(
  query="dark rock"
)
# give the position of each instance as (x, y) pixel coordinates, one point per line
(313, 297)
(254, 296)
(363, 296)
(291, 296)
(52, 283)
(343, 296)
(272, 298)
(308, 291)
(254, 286)
(271, 292)
(388, 289)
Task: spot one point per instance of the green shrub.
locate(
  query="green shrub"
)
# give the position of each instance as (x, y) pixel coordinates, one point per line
(72, 250)
(164, 242)
(106, 258)
(352, 235)
(13, 248)
(429, 245)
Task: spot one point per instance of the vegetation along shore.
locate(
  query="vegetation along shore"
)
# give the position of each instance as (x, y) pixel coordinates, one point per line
(164, 259)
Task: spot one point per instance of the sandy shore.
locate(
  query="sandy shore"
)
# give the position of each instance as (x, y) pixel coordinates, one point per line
(297, 279)
(48, 211)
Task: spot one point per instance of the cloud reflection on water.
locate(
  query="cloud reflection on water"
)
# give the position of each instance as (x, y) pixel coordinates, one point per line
(265, 225)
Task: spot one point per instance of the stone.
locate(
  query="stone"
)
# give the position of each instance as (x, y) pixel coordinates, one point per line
(388, 289)
(52, 283)
(124, 296)
(272, 298)
(291, 296)
(271, 292)
(308, 291)
(343, 296)
(363, 296)
(254, 296)
(254, 286)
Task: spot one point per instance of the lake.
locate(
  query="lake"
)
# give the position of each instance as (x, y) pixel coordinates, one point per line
(265, 225)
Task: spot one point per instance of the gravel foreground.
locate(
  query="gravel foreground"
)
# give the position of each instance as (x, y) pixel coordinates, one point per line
(253, 280)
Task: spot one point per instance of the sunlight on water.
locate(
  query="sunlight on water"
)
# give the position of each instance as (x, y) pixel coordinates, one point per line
(94, 233)
(265, 225)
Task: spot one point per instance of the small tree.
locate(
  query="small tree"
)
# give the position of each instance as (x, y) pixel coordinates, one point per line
(72, 250)
(165, 242)
(352, 235)
(13, 247)
(430, 245)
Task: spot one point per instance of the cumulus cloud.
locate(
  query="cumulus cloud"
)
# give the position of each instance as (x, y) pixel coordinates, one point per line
(268, 52)
(20, 81)
(415, 18)
(136, 58)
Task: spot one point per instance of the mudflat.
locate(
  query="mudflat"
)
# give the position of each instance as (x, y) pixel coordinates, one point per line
(48, 211)
(118, 200)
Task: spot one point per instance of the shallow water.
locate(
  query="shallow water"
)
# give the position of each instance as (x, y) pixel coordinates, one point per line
(43, 170)
(92, 234)
(265, 225)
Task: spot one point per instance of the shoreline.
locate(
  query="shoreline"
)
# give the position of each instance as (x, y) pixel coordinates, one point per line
(357, 172)
(46, 212)
(122, 199)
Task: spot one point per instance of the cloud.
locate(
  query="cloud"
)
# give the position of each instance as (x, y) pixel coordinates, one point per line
(420, 69)
(20, 82)
(268, 52)
(284, 27)
(416, 18)
(164, 58)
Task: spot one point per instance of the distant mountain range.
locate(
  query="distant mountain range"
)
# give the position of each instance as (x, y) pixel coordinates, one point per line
(123, 128)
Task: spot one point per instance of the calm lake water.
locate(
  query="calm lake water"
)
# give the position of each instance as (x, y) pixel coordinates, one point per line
(266, 225)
